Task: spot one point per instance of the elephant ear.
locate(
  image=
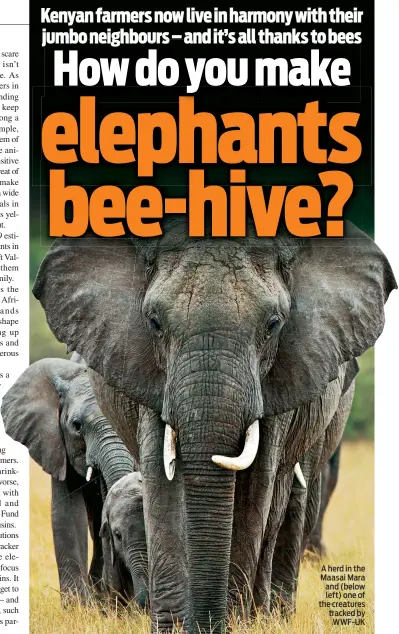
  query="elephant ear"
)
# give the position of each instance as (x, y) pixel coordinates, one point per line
(106, 534)
(31, 412)
(91, 289)
(339, 287)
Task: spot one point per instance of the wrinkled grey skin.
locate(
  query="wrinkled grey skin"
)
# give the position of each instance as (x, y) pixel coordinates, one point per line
(51, 409)
(329, 481)
(124, 541)
(209, 335)
(300, 515)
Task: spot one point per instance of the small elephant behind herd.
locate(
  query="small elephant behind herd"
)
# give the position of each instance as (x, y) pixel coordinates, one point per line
(222, 371)
(96, 484)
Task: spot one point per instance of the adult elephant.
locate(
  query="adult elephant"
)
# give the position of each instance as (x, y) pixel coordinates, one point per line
(51, 409)
(231, 347)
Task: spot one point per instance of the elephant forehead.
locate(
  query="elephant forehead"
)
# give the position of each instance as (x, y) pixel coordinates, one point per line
(80, 396)
(79, 388)
(217, 279)
(234, 255)
(122, 503)
(129, 484)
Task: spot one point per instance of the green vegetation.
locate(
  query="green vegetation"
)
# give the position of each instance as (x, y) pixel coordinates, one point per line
(42, 341)
(361, 419)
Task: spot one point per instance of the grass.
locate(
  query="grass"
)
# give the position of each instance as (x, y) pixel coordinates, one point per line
(348, 535)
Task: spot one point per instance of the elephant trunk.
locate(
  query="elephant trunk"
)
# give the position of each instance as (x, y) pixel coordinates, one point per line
(137, 564)
(210, 416)
(209, 508)
(107, 453)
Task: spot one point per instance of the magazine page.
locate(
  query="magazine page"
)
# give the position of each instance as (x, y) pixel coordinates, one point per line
(192, 290)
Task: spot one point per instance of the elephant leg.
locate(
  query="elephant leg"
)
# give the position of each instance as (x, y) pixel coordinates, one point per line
(331, 456)
(300, 516)
(165, 525)
(287, 551)
(250, 517)
(69, 523)
(334, 471)
(313, 509)
(328, 484)
(253, 500)
(315, 542)
(262, 587)
(94, 505)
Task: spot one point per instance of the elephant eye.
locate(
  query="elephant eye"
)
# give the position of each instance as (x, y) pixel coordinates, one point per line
(273, 324)
(155, 325)
(118, 535)
(77, 425)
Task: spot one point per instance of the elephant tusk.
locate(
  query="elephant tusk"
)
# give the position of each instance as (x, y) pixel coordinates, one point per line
(89, 474)
(248, 454)
(169, 452)
(299, 475)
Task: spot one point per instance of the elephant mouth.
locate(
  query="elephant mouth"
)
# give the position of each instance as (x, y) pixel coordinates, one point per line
(248, 454)
(239, 463)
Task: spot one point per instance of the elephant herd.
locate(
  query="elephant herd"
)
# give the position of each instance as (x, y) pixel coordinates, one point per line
(52, 410)
(196, 439)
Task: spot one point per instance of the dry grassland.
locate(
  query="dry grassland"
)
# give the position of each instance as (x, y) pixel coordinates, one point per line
(348, 535)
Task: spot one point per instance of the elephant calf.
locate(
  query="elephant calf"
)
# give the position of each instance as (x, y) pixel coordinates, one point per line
(51, 409)
(124, 542)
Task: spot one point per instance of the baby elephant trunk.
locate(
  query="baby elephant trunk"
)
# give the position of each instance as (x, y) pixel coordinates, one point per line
(138, 568)
(107, 453)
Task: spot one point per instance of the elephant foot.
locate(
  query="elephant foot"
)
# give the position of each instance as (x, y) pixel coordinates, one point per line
(164, 625)
(261, 607)
(261, 593)
(72, 598)
(283, 600)
(98, 592)
(239, 603)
